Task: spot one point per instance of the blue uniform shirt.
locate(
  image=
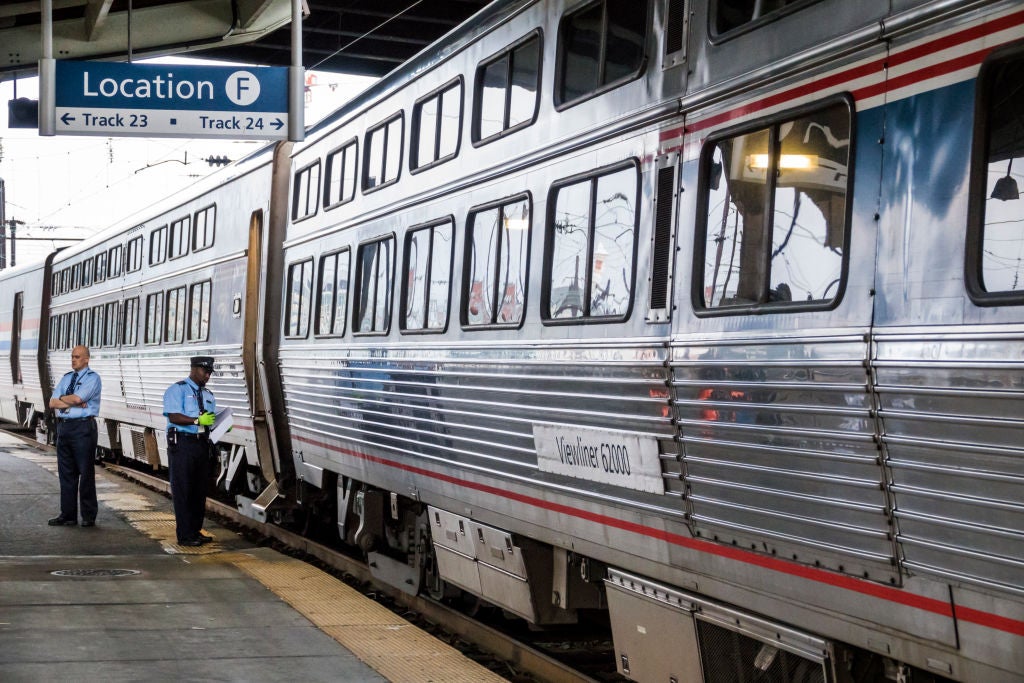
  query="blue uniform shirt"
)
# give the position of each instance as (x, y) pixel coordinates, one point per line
(184, 397)
(87, 387)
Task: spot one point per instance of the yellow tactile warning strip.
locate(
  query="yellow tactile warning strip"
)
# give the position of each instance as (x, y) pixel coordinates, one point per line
(395, 648)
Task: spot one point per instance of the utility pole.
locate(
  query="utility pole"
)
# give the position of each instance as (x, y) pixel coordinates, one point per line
(3, 225)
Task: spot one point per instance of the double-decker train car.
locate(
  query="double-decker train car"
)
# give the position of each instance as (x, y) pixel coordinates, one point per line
(703, 315)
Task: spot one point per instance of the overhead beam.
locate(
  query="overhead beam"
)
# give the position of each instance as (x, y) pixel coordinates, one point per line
(95, 15)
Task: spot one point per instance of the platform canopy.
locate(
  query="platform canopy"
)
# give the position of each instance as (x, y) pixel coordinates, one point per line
(366, 37)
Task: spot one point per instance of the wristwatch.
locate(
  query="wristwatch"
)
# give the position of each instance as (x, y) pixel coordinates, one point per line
(196, 422)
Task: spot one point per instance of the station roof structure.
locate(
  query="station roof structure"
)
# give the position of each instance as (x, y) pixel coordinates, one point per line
(364, 37)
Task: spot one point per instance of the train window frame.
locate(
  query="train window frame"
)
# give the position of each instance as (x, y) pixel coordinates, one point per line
(197, 328)
(55, 284)
(179, 237)
(130, 322)
(154, 330)
(65, 280)
(176, 316)
(98, 326)
(112, 322)
(337, 316)
(387, 145)
(87, 272)
(716, 37)
(980, 193)
(133, 254)
(301, 317)
(114, 255)
(100, 267)
(496, 298)
(343, 151)
(209, 226)
(379, 311)
(304, 185)
(74, 331)
(477, 137)
(158, 245)
(709, 176)
(592, 178)
(438, 96)
(76, 276)
(403, 315)
(562, 61)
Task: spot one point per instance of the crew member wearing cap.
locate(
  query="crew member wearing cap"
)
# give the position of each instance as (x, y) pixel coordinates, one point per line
(190, 407)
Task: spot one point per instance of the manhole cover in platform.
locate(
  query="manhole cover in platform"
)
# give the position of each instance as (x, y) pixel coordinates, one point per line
(90, 573)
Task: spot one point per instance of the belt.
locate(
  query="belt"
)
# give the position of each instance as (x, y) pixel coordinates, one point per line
(190, 435)
(73, 419)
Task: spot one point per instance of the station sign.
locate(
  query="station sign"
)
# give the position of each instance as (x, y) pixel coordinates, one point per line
(171, 100)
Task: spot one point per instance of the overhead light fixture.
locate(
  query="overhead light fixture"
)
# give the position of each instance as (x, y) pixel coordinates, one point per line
(791, 162)
(1006, 187)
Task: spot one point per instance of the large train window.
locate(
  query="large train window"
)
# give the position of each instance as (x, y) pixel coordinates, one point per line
(199, 311)
(497, 248)
(591, 246)
(154, 318)
(340, 183)
(133, 255)
(203, 223)
(298, 298)
(174, 315)
(427, 277)
(436, 126)
(110, 323)
(87, 266)
(332, 296)
(158, 245)
(76, 276)
(80, 326)
(507, 88)
(99, 322)
(178, 237)
(375, 266)
(306, 191)
(100, 273)
(600, 46)
(995, 244)
(727, 16)
(55, 284)
(774, 224)
(382, 160)
(114, 261)
(130, 322)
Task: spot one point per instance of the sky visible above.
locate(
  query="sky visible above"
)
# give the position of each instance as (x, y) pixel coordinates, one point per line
(69, 187)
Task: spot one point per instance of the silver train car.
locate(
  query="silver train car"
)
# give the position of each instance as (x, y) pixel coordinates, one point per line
(703, 315)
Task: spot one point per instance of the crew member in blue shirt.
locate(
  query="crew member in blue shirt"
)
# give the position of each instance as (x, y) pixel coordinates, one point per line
(190, 407)
(76, 401)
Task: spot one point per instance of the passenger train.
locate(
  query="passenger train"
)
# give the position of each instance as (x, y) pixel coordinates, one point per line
(704, 314)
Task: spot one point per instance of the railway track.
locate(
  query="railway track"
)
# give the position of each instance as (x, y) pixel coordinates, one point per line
(527, 661)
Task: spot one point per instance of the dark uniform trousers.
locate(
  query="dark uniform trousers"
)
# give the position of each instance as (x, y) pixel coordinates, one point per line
(188, 456)
(76, 467)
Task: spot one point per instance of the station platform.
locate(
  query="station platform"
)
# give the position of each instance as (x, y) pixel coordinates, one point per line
(121, 601)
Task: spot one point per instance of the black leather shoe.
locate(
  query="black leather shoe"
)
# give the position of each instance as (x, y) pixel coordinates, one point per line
(205, 539)
(60, 520)
(88, 522)
(191, 542)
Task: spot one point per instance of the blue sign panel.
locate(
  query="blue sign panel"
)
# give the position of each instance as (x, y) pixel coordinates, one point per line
(154, 100)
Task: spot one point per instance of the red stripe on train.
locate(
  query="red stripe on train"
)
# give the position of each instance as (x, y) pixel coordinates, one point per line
(850, 583)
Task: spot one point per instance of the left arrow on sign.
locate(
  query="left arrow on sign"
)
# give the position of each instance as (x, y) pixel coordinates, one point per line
(67, 119)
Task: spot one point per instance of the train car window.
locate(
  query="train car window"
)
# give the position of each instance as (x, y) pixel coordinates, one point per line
(133, 255)
(112, 320)
(65, 280)
(114, 261)
(340, 183)
(63, 342)
(375, 267)
(174, 315)
(774, 224)
(100, 269)
(332, 294)
(203, 224)
(99, 321)
(383, 158)
(87, 266)
(427, 277)
(158, 245)
(591, 246)
(178, 237)
(737, 16)
(76, 276)
(995, 239)
(306, 191)
(298, 299)
(507, 89)
(55, 284)
(154, 318)
(199, 311)
(494, 279)
(600, 46)
(436, 127)
(130, 322)
(74, 331)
